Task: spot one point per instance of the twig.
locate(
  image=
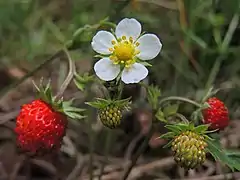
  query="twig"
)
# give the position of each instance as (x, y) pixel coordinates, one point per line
(228, 176)
(78, 168)
(16, 168)
(138, 153)
(141, 169)
(45, 165)
(131, 147)
(106, 150)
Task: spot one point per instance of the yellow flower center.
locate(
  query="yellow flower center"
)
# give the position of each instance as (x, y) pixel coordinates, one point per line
(124, 51)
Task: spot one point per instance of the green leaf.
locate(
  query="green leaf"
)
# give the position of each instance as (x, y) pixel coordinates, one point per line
(167, 135)
(201, 128)
(234, 156)
(160, 116)
(218, 153)
(170, 110)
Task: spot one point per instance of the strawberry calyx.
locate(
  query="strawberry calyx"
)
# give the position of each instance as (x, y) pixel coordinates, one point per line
(66, 107)
(100, 103)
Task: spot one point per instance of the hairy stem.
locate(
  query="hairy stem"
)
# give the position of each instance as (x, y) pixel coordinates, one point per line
(68, 79)
(177, 98)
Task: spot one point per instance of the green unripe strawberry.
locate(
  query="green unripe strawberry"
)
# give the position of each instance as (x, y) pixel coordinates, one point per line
(111, 116)
(189, 149)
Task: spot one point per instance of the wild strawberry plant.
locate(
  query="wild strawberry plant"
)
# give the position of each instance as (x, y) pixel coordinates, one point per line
(123, 55)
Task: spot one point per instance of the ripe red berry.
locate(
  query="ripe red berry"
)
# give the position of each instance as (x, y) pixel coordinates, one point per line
(40, 128)
(216, 115)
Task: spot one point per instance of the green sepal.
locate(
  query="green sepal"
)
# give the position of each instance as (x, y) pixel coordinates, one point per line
(167, 135)
(44, 92)
(174, 128)
(72, 112)
(65, 107)
(219, 154)
(169, 144)
(201, 128)
(145, 63)
(100, 103)
(211, 92)
(177, 129)
(82, 81)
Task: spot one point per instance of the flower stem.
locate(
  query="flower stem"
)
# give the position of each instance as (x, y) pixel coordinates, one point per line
(177, 98)
(68, 79)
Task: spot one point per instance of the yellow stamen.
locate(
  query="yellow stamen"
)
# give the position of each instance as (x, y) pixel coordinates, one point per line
(124, 51)
(131, 39)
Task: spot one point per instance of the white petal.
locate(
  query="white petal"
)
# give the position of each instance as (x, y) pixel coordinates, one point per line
(149, 47)
(129, 28)
(106, 70)
(134, 74)
(102, 41)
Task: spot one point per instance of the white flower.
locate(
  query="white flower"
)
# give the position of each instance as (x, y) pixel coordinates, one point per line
(124, 52)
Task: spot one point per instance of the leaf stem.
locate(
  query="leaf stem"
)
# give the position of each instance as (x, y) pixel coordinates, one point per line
(177, 98)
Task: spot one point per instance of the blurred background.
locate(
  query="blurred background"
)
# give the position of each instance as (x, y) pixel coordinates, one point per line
(201, 48)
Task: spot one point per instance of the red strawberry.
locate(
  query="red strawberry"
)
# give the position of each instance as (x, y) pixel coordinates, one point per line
(40, 128)
(216, 115)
